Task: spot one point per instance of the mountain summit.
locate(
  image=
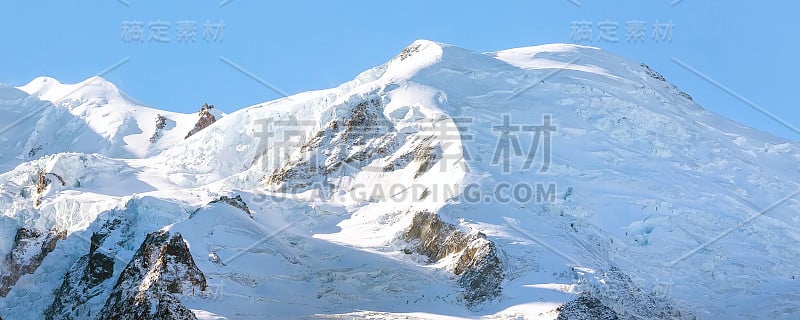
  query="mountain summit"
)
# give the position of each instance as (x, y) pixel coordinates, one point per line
(546, 182)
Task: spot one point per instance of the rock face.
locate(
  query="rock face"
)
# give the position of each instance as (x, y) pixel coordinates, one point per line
(235, 202)
(362, 135)
(618, 297)
(31, 246)
(586, 307)
(477, 263)
(206, 119)
(43, 181)
(161, 123)
(87, 279)
(655, 75)
(148, 288)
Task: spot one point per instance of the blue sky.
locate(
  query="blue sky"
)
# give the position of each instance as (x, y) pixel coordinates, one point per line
(745, 46)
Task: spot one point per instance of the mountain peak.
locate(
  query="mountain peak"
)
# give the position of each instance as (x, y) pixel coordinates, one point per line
(48, 88)
(553, 180)
(419, 54)
(39, 84)
(98, 81)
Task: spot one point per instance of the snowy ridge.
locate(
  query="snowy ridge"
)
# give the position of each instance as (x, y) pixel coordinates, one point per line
(92, 116)
(637, 183)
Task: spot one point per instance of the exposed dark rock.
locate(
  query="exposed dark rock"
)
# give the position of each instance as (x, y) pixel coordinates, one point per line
(425, 194)
(43, 181)
(83, 280)
(426, 156)
(586, 307)
(619, 289)
(435, 239)
(331, 148)
(41, 184)
(408, 51)
(399, 162)
(99, 268)
(161, 123)
(19, 261)
(618, 297)
(480, 269)
(206, 119)
(147, 288)
(478, 263)
(655, 75)
(236, 202)
(652, 73)
(32, 153)
(79, 286)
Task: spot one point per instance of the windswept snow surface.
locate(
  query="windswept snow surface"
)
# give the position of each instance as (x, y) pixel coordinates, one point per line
(93, 116)
(698, 212)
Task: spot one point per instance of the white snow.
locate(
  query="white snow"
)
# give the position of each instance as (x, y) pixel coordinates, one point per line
(645, 180)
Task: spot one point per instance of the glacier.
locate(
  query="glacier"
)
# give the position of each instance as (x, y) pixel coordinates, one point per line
(547, 182)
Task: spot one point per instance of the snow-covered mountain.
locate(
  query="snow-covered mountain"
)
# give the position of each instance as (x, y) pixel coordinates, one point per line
(46, 117)
(555, 181)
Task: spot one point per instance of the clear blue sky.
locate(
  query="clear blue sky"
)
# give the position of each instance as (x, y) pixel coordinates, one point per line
(747, 46)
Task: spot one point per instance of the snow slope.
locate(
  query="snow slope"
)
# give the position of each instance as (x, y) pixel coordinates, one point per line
(646, 203)
(92, 116)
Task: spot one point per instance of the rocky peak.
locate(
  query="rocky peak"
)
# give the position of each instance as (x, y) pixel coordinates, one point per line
(31, 246)
(149, 287)
(43, 181)
(236, 202)
(206, 119)
(477, 263)
(88, 278)
(161, 123)
(354, 140)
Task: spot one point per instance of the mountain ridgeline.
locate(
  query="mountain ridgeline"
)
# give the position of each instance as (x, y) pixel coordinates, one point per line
(546, 182)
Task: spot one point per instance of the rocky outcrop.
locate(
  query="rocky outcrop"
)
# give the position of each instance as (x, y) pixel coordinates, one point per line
(235, 202)
(206, 119)
(652, 73)
(586, 307)
(620, 292)
(616, 296)
(43, 180)
(86, 279)
(30, 248)
(477, 263)
(655, 75)
(161, 123)
(33, 151)
(149, 286)
(424, 155)
(353, 140)
(408, 51)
